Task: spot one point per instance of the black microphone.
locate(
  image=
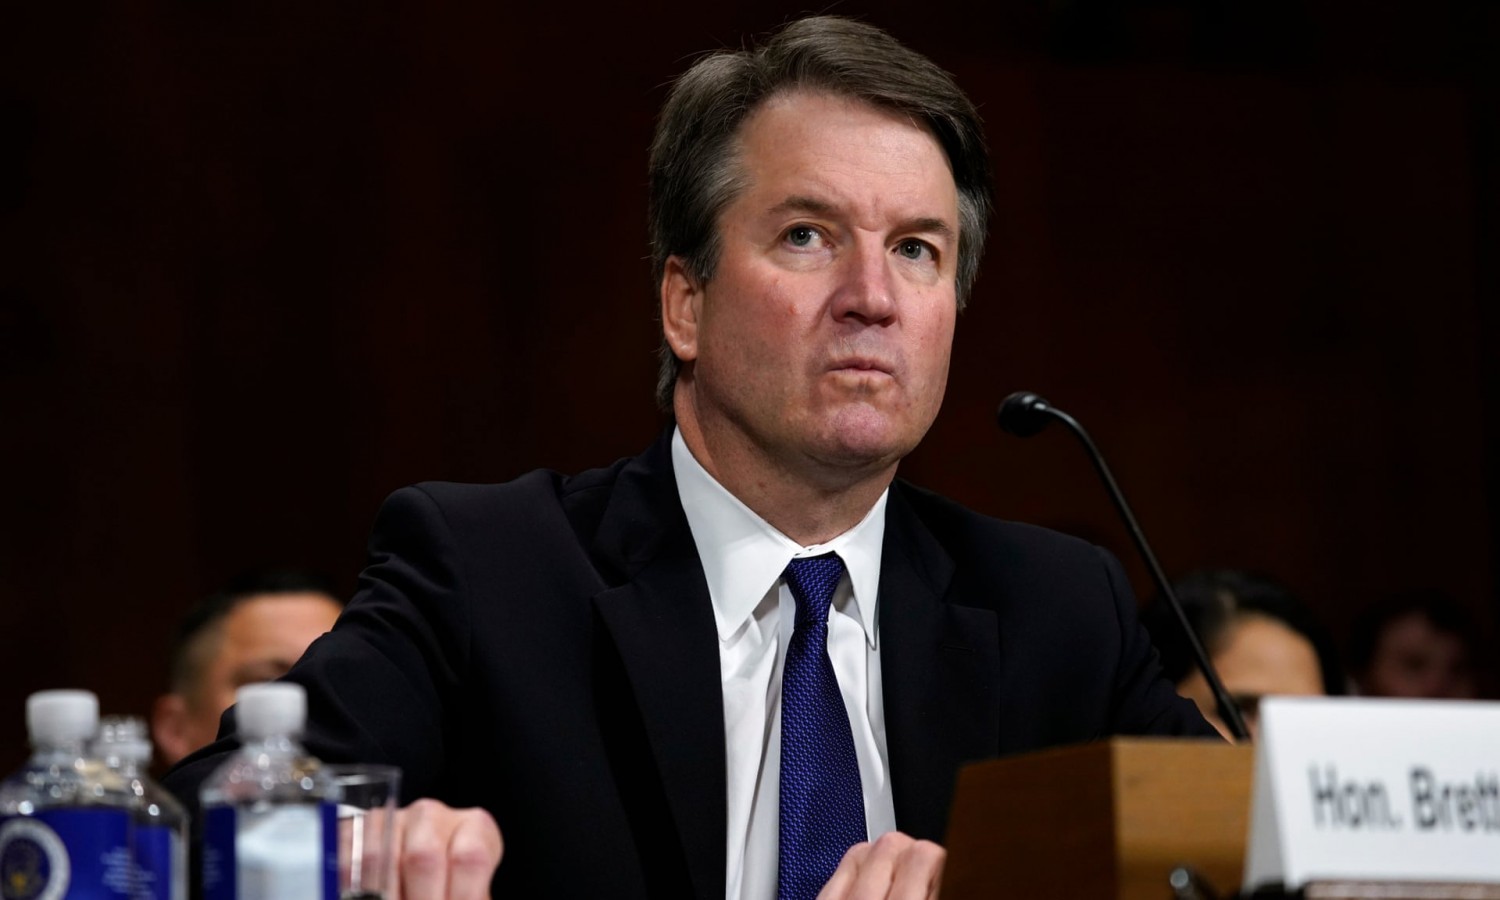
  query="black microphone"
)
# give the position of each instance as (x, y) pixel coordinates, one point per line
(1023, 414)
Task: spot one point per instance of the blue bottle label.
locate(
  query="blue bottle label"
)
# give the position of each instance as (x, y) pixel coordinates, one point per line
(159, 856)
(218, 853)
(329, 813)
(330, 849)
(80, 854)
(288, 850)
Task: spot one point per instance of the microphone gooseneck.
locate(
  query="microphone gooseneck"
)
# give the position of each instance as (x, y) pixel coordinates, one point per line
(1024, 414)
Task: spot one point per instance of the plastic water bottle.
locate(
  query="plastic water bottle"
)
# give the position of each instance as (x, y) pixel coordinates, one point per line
(269, 813)
(64, 817)
(159, 837)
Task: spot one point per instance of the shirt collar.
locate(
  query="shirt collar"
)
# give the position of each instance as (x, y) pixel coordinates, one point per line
(743, 556)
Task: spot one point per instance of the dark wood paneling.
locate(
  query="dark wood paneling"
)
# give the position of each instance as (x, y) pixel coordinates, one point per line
(263, 263)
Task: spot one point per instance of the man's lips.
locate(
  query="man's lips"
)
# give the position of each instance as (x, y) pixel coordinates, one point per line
(862, 364)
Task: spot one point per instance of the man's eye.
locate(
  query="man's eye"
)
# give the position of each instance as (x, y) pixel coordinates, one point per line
(801, 236)
(911, 248)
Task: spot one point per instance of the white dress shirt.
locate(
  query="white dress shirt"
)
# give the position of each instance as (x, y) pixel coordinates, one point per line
(743, 558)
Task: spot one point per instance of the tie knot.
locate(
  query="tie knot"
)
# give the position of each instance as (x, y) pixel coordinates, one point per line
(812, 581)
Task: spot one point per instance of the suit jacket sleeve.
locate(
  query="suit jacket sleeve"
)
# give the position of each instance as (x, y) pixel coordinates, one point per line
(1144, 701)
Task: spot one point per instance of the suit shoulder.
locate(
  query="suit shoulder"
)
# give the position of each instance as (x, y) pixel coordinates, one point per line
(528, 500)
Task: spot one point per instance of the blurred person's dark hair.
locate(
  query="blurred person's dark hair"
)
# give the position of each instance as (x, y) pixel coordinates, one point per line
(1214, 599)
(189, 654)
(253, 629)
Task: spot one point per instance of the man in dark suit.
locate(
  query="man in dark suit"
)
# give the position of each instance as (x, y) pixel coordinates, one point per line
(747, 662)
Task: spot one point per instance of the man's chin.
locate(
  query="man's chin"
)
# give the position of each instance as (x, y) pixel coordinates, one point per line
(867, 443)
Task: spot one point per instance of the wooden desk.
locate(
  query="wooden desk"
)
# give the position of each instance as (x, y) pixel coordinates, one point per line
(1099, 821)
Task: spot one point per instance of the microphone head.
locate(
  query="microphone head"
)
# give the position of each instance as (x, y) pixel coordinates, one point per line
(1023, 414)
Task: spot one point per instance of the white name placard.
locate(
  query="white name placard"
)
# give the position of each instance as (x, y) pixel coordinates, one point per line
(1380, 790)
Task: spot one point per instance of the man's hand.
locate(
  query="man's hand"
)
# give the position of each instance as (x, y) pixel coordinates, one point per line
(895, 867)
(444, 853)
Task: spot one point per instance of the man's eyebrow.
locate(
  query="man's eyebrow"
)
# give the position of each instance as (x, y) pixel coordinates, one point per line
(802, 204)
(928, 225)
(815, 207)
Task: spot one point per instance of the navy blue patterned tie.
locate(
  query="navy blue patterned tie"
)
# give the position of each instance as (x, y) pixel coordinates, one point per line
(822, 806)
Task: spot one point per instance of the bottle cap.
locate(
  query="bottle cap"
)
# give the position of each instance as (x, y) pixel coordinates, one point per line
(277, 707)
(58, 717)
(118, 729)
(138, 752)
(123, 738)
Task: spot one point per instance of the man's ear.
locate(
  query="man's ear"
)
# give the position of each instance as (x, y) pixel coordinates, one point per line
(681, 304)
(171, 728)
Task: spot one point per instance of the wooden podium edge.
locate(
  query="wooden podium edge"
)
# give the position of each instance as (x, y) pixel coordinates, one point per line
(1100, 820)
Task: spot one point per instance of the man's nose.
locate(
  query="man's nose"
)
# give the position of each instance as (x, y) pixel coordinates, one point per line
(867, 290)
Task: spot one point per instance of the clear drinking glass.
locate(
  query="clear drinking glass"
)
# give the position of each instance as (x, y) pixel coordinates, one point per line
(367, 821)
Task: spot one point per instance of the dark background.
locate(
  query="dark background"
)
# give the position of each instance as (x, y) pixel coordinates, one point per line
(262, 263)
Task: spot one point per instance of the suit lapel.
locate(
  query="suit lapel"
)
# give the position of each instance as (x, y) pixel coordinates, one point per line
(661, 622)
(939, 664)
(939, 661)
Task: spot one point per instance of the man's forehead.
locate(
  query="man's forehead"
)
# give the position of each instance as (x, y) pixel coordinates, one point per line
(817, 153)
(809, 104)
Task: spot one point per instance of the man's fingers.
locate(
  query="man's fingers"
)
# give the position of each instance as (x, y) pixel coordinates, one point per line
(422, 854)
(895, 867)
(844, 876)
(393, 865)
(473, 853)
(877, 868)
(443, 853)
(919, 872)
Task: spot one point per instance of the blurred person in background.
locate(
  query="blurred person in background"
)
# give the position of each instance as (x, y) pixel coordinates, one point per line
(1261, 638)
(1416, 644)
(252, 630)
